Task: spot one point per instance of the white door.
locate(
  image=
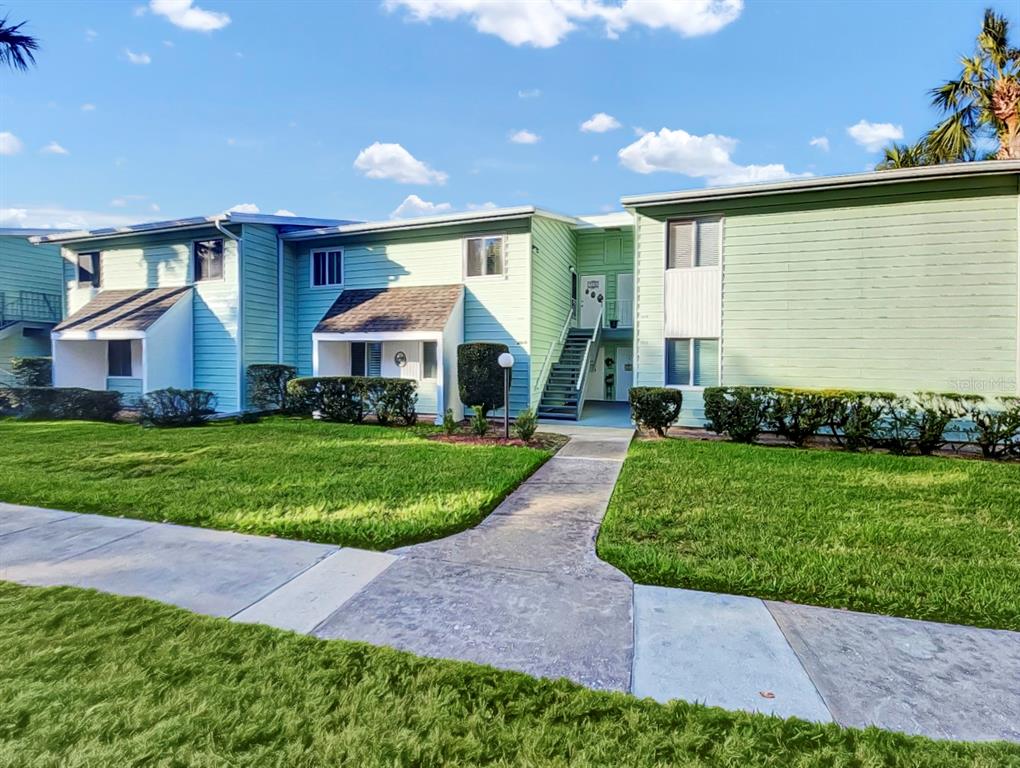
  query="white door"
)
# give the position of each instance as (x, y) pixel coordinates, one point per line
(625, 299)
(624, 372)
(593, 294)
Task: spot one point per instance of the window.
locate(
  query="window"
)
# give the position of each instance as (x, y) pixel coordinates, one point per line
(366, 358)
(118, 358)
(357, 358)
(327, 267)
(88, 269)
(692, 362)
(484, 256)
(694, 243)
(429, 364)
(208, 260)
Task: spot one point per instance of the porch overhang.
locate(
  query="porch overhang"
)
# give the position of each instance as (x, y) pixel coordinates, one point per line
(120, 314)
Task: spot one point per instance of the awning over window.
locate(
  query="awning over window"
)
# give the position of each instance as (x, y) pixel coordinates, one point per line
(378, 310)
(123, 310)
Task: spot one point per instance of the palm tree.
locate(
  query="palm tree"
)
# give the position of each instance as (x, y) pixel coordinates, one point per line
(17, 50)
(903, 156)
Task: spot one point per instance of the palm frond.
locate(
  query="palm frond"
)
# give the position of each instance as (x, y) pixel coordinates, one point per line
(952, 140)
(17, 50)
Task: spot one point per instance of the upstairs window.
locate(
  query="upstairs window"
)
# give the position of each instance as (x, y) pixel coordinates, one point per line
(327, 267)
(694, 243)
(484, 256)
(118, 357)
(692, 362)
(88, 269)
(208, 260)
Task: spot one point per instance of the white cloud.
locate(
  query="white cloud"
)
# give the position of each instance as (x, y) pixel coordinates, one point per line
(137, 58)
(243, 208)
(10, 144)
(545, 23)
(54, 149)
(88, 107)
(139, 10)
(874, 136)
(124, 200)
(594, 158)
(168, 43)
(524, 136)
(488, 205)
(600, 122)
(154, 207)
(186, 15)
(46, 217)
(392, 161)
(91, 34)
(284, 212)
(704, 157)
(415, 206)
(822, 142)
(529, 93)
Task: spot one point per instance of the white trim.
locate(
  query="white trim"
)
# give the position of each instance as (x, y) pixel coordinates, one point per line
(871, 178)
(695, 251)
(504, 254)
(1016, 383)
(378, 336)
(192, 261)
(279, 301)
(311, 267)
(108, 334)
(690, 362)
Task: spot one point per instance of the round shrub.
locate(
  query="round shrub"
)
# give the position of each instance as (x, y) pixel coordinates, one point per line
(740, 412)
(655, 408)
(479, 376)
(173, 407)
(267, 385)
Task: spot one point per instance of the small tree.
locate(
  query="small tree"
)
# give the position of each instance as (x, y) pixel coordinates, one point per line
(479, 376)
(32, 371)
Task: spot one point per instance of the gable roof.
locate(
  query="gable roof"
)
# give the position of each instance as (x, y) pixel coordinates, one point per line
(871, 178)
(123, 310)
(415, 308)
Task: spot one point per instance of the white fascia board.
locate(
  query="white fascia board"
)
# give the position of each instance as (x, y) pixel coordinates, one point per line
(100, 335)
(378, 336)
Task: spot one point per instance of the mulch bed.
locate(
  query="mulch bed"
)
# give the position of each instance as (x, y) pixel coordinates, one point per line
(546, 441)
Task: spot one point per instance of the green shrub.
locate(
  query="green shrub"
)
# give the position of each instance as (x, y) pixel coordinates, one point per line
(449, 422)
(248, 417)
(267, 385)
(740, 412)
(935, 412)
(479, 422)
(798, 414)
(6, 401)
(853, 416)
(62, 403)
(172, 407)
(655, 408)
(525, 425)
(32, 371)
(393, 400)
(996, 431)
(479, 377)
(334, 398)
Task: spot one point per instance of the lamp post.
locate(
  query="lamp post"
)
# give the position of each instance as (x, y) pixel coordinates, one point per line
(506, 362)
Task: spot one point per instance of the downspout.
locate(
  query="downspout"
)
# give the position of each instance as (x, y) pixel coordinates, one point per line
(217, 222)
(279, 299)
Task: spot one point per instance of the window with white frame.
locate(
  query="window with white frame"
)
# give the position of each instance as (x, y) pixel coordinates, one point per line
(484, 256)
(429, 359)
(694, 243)
(88, 269)
(328, 267)
(208, 260)
(692, 362)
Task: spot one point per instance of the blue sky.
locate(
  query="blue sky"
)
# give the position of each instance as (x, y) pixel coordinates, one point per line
(149, 110)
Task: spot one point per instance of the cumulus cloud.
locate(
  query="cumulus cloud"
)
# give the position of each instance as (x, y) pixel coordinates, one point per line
(822, 142)
(186, 15)
(874, 136)
(137, 58)
(600, 122)
(524, 136)
(393, 162)
(10, 144)
(488, 205)
(54, 149)
(704, 157)
(545, 23)
(58, 217)
(243, 208)
(284, 212)
(414, 206)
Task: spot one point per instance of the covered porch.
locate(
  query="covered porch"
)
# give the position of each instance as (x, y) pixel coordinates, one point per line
(405, 333)
(132, 342)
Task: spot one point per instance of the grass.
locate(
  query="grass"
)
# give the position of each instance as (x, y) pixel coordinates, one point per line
(926, 538)
(356, 485)
(88, 679)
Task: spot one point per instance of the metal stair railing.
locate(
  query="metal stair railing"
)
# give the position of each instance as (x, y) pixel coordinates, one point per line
(28, 306)
(554, 352)
(582, 376)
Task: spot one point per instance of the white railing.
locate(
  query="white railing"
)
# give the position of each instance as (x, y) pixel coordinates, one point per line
(596, 336)
(554, 351)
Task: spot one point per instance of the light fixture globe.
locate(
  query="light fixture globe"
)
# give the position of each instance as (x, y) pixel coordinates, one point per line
(506, 360)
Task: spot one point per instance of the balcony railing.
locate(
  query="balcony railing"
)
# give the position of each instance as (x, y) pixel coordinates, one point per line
(619, 313)
(28, 306)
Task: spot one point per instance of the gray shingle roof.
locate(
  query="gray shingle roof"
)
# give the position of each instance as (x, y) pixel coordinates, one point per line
(415, 308)
(123, 310)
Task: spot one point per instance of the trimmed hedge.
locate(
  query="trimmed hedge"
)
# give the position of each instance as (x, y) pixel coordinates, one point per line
(173, 407)
(479, 376)
(922, 423)
(267, 385)
(349, 399)
(60, 403)
(655, 408)
(32, 371)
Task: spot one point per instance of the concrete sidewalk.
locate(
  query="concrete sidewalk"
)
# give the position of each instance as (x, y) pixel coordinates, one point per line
(524, 590)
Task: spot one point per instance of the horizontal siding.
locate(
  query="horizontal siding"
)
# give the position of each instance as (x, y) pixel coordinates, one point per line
(260, 336)
(553, 255)
(606, 252)
(27, 267)
(901, 288)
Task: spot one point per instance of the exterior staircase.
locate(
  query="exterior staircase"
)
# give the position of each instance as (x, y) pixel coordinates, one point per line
(564, 389)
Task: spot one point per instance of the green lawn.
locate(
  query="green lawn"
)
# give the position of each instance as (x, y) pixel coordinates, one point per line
(88, 679)
(927, 538)
(356, 485)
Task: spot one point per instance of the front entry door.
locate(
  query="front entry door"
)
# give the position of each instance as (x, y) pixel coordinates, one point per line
(624, 372)
(593, 294)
